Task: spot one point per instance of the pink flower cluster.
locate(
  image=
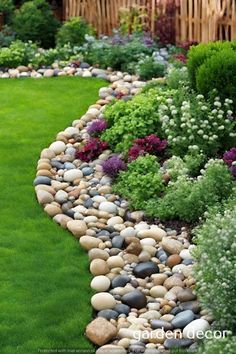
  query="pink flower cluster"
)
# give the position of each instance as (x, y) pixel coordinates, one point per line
(91, 150)
(151, 144)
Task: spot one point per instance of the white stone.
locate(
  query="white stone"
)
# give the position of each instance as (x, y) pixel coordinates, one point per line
(148, 242)
(100, 283)
(58, 147)
(70, 131)
(115, 262)
(87, 73)
(103, 301)
(185, 254)
(71, 175)
(141, 226)
(128, 232)
(61, 196)
(194, 328)
(115, 220)
(109, 207)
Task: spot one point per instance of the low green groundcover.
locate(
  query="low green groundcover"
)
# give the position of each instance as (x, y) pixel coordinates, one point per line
(45, 293)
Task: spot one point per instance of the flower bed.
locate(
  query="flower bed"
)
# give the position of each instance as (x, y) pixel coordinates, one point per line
(143, 271)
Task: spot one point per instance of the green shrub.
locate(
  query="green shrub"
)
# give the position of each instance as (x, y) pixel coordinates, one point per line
(198, 54)
(188, 199)
(35, 21)
(18, 53)
(7, 36)
(140, 182)
(192, 122)
(219, 346)
(133, 119)
(149, 69)
(7, 8)
(73, 32)
(177, 77)
(215, 269)
(220, 71)
(123, 55)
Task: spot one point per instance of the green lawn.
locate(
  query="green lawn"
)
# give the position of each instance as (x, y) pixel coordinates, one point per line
(44, 289)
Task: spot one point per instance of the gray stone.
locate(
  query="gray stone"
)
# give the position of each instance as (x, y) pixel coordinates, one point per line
(183, 318)
(135, 299)
(161, 324)
(177, 343)
(118, 242)
(122, 309)
(190, 305)
(87, 171)
(69, 166)
(108, 314)
(42, 180)
(143, 270)
(120, 281)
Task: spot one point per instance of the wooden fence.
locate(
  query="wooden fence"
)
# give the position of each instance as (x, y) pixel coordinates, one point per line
(196, 20)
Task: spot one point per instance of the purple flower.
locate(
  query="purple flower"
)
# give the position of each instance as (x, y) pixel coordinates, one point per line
(230, 159)
(113, 166)
(148, 41)
(151, 144)
(97, 127)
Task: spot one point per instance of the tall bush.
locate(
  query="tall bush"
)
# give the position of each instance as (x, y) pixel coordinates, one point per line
(73, 32)
(35, 21)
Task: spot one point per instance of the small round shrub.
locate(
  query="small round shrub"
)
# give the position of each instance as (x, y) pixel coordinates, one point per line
(220, 71)
(197, 55)
(215, 270)
(149, 69)
(35, 21)
(73, 31)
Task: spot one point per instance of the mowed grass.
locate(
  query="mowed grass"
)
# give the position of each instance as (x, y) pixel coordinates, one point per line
(44, 278)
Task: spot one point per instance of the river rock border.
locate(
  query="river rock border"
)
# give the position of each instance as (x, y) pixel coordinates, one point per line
(145, 300)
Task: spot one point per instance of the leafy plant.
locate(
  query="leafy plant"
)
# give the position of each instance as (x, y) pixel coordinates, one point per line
(97, 127)
(150, 144)
(149, 68)
(166, 23)
(188, 199)
(7, 8)
(7, 36)
(219, 346)
(131, 20)
(141, 181)
(130, 120)
(113, 165)
(91, 150)
(220, 71)
(73, 32)
(177, 77)
(18, 53)
(215, 270)
(35, 21)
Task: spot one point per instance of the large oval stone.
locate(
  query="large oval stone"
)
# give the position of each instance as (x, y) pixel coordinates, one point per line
(193, 328)
(143, 270)
(135, 299)
(103, 301)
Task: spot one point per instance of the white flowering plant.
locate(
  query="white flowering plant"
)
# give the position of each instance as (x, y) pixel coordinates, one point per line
(192, 123)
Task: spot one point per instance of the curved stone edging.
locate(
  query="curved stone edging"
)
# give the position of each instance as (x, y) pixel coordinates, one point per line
(142, 272)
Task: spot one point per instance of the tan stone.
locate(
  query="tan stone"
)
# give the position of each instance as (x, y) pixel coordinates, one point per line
(77, 227)
(100, 331)
(171, 246)
(52, 209)
(99, 267)
(134, 248)
(173, 260)
(44, 197)
(89, 242)
(155, 233)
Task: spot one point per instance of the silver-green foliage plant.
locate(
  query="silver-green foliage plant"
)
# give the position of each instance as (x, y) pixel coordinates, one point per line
(216, 266)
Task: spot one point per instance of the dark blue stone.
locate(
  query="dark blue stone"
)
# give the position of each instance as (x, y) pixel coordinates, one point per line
(122, 309)
(143, 270)
(108, 314)
(88, 203)
(177, 343)
(118, 242)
